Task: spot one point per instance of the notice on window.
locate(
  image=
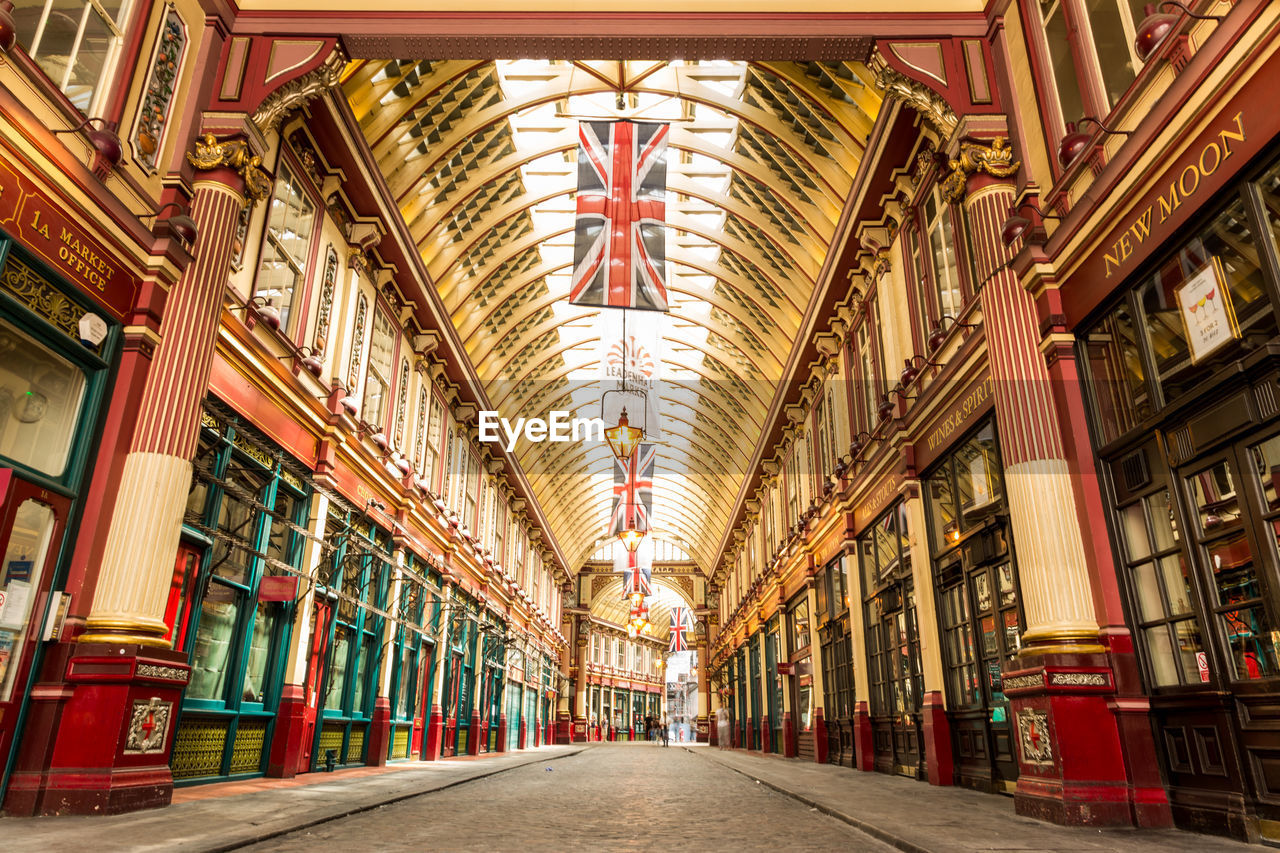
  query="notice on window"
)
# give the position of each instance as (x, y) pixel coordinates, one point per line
(1207, 314)
(13, 605)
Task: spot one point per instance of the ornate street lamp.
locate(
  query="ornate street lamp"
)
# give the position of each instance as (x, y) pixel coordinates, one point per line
(631, 538)
(623, 439)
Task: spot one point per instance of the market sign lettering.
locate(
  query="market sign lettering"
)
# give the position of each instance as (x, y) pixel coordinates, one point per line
(973, 403)
(1180, 188)
(877, 500)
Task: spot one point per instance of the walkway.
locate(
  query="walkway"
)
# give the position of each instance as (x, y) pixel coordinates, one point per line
(602, 797)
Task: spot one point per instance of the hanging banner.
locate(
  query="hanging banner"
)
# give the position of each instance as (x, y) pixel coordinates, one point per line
(630, 354)
(637, 569)
(681, 625)
(619, 247)
(633, 490)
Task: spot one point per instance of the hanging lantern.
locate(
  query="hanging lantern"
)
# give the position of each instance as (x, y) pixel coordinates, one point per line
(623, 438)
(631, 538)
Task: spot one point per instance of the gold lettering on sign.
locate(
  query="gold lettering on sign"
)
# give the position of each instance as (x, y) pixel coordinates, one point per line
(1216, 152)
(78, 256)
(959, 416)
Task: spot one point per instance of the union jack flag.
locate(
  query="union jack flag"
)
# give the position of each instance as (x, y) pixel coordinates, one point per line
(619, 246)
(633, 490)
(636, 577)
(681, 622)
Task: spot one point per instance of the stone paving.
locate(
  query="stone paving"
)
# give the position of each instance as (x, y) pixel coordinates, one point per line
(607, 798)
(600, 797)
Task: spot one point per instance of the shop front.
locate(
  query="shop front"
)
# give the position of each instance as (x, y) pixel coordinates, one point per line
(417, 621)
(758, 712)
(772, 725)
(979, 613)
(231, 601)
(1183, 365)
(800, 626)
(893, 644)
(832, 585)
(59, 350)
(459, 677)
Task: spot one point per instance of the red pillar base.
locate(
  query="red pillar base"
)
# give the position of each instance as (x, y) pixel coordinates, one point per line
(109, 754)
(1071, 759)
(502, 732)
(475, 735)
(766, 736)
(790, 748)
(565, 728)
(713, 731)
(287, 743)
(863, 741)
(819, 737)
(522, 736)
(701, 730)
(434, 735)
(379, 733)
(938, 760)
(449, 742)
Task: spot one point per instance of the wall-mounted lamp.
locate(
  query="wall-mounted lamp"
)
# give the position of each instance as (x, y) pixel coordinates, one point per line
(859, 444)
(911, 368)
(8, 27)
(103, 139)
(1156, 26)
(1015, 226)
(310, 360)
(938, 333)
(1076, 141)
(885, 409)
(179, 223)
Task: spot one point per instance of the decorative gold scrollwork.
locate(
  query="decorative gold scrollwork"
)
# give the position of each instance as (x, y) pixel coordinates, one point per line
(995, 160)
(212, 153)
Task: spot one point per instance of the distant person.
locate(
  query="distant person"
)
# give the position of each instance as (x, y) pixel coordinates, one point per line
(666, 732)
(648, 728)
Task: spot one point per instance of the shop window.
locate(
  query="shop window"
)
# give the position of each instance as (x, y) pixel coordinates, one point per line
(893, 651)
(76, 43)
(431, 456)
(377, 380)
(290, 221)
(41, 398)
(1206, 302)
(1119, 377)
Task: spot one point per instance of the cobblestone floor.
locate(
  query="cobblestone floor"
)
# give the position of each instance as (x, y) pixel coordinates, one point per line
(607, 798)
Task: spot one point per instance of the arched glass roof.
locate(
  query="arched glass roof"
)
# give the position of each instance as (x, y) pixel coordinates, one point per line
(481, 159)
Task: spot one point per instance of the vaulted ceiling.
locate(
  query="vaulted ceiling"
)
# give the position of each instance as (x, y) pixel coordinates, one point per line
(481, 158)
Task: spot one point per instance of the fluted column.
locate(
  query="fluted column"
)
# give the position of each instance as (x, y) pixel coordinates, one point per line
(137, 565)
(1057, 597)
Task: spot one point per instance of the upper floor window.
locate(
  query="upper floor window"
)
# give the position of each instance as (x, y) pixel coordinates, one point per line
(287, 246)
(377, 383)
(940, 242)
(1089, 52)
(76, 43)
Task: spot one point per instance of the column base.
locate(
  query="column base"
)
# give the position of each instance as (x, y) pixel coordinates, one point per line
(1071, 760)
(379, 733)
(434, 737)
(863, 739)
(474, 734)
(790, 748)
(766, 735)
(938, 759)
(287, 742)
(819, 737)
(110, 752)
(502, 732)
(701, 730)
(566, 726)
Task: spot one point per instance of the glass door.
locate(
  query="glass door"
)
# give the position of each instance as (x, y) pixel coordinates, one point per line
(32, 522)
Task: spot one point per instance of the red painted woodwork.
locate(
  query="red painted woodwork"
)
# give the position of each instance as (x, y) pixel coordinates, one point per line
(290, 748)
(320, 618)
(89, 770)
(766, 735)
(379, 733)
(819, 736)
(863, 738)
(502, 731)
(476, 735)
(790, 748)
(939, 763)
(434, 736)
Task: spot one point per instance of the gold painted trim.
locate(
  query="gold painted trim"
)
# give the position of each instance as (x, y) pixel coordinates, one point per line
(231, 86)
(937, 49)
(271, 58)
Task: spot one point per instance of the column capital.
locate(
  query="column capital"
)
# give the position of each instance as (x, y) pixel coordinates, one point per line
(234, 153)
(974, 158)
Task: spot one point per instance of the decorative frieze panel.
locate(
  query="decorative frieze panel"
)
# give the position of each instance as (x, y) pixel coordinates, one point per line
(166, 64)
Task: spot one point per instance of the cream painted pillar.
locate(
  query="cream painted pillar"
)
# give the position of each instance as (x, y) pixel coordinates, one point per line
(1056, 591)
(146, 523)
(389, 626)
(312, 555)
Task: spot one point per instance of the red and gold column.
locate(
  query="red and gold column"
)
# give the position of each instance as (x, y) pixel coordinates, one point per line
(112, 752)
(1062, 687)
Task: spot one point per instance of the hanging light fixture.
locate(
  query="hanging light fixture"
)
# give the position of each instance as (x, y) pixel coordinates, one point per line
(623, 438)
(1157, 25)
(631, 538)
